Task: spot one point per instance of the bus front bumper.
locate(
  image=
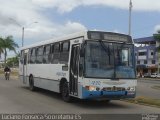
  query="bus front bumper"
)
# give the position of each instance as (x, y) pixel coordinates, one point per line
(110, 95)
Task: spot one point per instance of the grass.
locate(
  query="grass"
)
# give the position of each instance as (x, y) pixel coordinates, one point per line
(145, 101)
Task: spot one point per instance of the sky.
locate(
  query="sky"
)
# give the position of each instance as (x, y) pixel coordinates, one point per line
(56, 18)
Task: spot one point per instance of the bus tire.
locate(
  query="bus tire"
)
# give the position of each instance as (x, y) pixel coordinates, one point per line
(31, 84)
(65, 92)
(107, 101)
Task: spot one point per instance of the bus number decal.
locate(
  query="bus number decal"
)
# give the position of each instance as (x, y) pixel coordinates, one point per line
(95, 82)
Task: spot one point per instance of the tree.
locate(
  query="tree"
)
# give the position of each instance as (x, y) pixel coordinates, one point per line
(8, 44)
(157, 38)
(12, 62)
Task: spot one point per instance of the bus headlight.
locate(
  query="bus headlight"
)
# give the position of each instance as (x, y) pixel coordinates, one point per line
(131, 88)
(91, 88)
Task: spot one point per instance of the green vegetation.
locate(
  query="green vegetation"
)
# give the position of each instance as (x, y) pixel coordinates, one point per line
(157, 35)
(12, 62)
(145, 101)
(7, 43)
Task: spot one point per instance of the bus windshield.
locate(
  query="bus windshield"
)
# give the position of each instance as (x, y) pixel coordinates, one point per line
(109, 60)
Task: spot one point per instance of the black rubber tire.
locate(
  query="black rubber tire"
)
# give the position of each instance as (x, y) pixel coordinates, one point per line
(31, 84)
(6, 76)
(65, 92)
(108, 101)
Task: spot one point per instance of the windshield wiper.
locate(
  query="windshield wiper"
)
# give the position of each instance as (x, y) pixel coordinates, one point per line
(106, 49)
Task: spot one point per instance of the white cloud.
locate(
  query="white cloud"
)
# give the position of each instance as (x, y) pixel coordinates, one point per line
(27, 11)
(46, 32)
(60, 5)
(69, 5)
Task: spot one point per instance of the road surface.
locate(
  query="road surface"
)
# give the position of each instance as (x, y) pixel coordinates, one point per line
(144, 88)
(17, 99)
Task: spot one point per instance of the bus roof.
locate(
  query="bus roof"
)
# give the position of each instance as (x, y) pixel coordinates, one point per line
(62, 38)
(76, 35)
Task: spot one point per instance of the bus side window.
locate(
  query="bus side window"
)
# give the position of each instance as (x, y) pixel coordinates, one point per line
(29, 56)
(31, 51)
(56, 53)
(48, 51)
(46, 54)
(64, 52)
(33, 56)
(39, 58)
(51, 53)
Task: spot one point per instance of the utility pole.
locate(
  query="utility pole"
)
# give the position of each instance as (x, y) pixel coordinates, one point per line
(22, 36)
(23, 27)
(130, 17)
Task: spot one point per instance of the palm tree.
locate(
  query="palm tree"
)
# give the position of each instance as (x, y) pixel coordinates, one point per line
(8, 44)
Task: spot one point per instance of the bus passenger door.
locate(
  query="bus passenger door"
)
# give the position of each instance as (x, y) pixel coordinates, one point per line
(74, 65)
(25, 68)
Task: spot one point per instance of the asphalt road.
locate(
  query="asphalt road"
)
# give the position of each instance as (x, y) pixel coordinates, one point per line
(17, 99)
(144, 88)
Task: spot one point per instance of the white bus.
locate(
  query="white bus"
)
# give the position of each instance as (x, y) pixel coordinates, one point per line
(86, 65)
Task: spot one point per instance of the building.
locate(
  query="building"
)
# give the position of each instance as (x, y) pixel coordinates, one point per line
(146, 55)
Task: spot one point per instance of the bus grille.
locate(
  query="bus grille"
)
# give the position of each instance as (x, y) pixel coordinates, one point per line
(113, 89)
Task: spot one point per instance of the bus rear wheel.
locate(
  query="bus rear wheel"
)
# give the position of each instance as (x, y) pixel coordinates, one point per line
(107, 101)
(65, 92)
(31, 84)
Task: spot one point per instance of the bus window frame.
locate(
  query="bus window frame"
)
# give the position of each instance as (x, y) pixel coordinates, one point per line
(56, 52)
(39, 54)
(33, 56)
(46, 54)
(64, 53)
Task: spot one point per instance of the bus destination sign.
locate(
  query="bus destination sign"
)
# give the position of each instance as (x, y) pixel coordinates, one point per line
(115, 37)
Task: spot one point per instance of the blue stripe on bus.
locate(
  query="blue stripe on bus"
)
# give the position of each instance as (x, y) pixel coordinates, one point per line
(97, 94)
(90, 94)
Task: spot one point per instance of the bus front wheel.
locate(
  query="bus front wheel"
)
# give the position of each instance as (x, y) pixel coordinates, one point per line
(31, 83)
(65, 92)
